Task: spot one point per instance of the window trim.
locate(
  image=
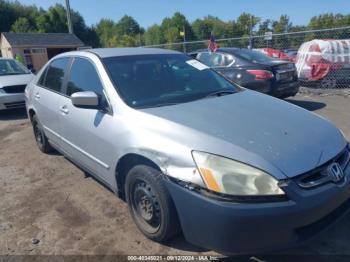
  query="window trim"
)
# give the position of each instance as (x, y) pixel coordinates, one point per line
(42, 76)
(109, 109)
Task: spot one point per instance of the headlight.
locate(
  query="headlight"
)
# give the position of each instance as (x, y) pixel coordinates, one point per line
(230, 177)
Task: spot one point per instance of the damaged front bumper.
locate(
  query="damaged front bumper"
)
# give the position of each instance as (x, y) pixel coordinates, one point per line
(242, 228)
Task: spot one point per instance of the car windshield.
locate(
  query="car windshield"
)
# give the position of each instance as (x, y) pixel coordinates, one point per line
(253, 56)
(159, 80)
(12, 67)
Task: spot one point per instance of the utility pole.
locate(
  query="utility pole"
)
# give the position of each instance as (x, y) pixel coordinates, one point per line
(184, 31)
(251, 33)
(69, 20)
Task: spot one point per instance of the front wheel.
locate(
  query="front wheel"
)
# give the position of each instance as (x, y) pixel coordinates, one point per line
(150, 204)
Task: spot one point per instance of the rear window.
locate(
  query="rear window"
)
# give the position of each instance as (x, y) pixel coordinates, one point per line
(253, 56)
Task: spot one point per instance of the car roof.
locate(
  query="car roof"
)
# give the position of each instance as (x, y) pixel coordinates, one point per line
(128, 51)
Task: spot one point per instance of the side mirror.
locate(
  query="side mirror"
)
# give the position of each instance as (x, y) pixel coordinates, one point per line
(86, 99)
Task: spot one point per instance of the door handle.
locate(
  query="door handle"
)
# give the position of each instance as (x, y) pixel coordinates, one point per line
(37, 96)
(64, 110)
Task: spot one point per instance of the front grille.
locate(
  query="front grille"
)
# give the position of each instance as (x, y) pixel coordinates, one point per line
(15, 104)
(320, 175)
(14, 89)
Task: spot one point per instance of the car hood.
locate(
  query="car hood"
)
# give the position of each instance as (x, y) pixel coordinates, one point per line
(12, 80)
(290, 138)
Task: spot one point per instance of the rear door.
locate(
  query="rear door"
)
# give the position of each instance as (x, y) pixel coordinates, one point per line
(47, 93)
(85, 131)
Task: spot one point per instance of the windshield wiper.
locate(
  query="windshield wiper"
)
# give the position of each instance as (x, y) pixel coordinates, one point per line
(221, 93)
(157, 105)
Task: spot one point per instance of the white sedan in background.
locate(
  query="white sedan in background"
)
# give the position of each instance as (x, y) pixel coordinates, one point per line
(14, 78)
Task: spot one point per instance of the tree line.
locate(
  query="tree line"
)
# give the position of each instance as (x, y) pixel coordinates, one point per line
(16, 17)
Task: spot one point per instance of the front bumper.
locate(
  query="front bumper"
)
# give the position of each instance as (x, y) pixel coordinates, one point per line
(235, 228)
(10, 101)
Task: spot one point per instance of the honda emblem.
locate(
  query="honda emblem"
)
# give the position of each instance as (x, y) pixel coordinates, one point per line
(336, 172)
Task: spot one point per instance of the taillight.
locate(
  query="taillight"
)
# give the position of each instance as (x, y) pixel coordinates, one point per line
(261, 74)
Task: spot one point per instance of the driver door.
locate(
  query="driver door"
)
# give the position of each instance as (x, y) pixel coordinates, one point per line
(85, 132)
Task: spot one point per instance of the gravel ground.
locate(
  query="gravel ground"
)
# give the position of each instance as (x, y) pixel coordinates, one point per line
(48, 205)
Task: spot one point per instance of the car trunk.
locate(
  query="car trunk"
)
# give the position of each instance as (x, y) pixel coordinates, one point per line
(284, 72)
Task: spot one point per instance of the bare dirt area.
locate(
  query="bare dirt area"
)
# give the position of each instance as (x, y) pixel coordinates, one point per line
(48, 206)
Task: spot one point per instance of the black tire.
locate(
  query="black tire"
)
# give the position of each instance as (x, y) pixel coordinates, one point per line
(40, 137)
(328, 82)
(150, 204)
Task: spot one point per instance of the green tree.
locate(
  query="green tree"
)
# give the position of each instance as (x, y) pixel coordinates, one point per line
(265, 26)
(283, 25)
(128, 26)
(154, 35)
(329, 20)
(11, 11)
(247, 22)
(7, 16)
(171, 28)
(210, 25)
(202, 28)
(106, 30)
(123, 41)
(21, 25)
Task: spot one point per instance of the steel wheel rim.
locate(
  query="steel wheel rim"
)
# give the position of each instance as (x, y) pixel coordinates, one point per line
(145, 206)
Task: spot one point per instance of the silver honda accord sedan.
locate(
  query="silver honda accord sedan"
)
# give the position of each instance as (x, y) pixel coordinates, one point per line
(234, 170)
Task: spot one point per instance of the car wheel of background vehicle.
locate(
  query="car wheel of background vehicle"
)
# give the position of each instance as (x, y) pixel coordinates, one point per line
(150, 204)
(40, 137)
(329, 82)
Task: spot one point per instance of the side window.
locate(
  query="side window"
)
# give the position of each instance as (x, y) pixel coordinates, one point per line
(83, 77)
(55, 74)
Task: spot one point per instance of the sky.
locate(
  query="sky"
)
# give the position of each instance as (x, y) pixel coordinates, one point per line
(149, 12)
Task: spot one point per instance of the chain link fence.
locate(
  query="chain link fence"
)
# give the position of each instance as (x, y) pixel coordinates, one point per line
(322, 57)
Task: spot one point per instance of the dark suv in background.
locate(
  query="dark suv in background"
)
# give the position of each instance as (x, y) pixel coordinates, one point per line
(253, 70)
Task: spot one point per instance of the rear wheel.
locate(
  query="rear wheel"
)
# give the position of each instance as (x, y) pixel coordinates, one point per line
(150, 204)
(40, 137)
